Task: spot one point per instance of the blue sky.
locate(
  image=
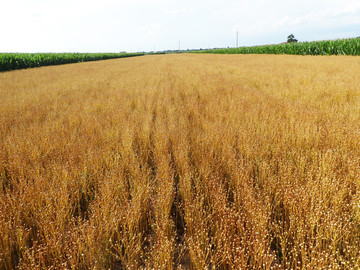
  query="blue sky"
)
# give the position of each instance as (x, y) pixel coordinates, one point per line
(145, 25)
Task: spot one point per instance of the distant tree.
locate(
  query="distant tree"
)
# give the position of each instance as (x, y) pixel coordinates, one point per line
(291, 38)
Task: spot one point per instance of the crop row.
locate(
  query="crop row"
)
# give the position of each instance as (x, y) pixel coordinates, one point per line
(328, 47)
(12, 61)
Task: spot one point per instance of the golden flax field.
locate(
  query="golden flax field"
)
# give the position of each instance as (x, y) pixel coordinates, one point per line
(182, 162)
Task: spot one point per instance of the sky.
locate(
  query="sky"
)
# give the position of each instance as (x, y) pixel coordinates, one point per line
(148, 25)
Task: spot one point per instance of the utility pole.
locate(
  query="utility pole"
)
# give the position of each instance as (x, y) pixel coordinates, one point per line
(237, 39)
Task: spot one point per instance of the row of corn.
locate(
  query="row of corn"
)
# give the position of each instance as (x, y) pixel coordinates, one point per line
(12, 61)
(329, 47)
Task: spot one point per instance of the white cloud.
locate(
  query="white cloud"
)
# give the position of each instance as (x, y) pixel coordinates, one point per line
(326, 18)
(92, 25)
(180, 11)
(149, 32)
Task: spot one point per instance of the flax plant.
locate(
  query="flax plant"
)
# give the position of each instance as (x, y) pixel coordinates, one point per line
(187, 161)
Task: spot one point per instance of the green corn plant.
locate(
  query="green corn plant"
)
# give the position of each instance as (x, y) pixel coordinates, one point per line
(329, 47)
(12, 61)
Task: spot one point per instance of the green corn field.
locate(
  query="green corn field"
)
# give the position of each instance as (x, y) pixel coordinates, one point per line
(328, 47)
(12, 61)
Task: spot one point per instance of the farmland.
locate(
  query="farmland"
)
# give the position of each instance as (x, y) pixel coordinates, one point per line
(349, 46)
(189, 161)
(13, 61)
